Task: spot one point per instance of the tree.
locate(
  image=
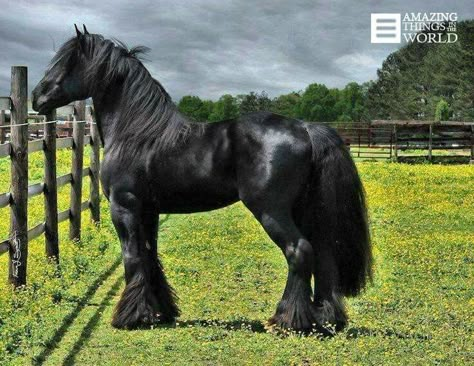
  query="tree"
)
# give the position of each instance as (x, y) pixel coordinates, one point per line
(442, 111)
(205, 110)
(254, 102)
(350, 105)
(189, 105)
(317, 103)
(195, 108)
(224, 108)
(287, 105)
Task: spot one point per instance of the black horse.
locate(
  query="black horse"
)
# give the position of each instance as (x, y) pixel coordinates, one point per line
(297, 179)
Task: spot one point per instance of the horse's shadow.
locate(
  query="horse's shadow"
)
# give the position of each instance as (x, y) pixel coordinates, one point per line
(357, 332)
(254, 326)
(257, 326)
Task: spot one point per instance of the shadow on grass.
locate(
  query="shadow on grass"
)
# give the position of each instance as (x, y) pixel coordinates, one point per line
(52, 343)
(92, 323)
(367, 332)
(254, 326)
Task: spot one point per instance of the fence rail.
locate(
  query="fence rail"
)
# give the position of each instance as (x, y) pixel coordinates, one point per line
(18, 149)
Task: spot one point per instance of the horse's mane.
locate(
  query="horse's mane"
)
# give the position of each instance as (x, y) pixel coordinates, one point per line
(148, 115)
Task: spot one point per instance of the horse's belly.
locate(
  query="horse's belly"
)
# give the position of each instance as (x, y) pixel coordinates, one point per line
(196, 201)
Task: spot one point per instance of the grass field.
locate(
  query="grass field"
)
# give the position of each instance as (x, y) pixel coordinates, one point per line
(229, 276)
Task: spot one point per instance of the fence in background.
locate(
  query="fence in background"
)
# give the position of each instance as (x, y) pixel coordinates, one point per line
(456, 139)
(20, 145)
(405, 140)
(365, 141)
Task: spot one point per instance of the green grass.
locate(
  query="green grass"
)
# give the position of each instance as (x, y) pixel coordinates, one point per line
(29, 318)
(229, 277)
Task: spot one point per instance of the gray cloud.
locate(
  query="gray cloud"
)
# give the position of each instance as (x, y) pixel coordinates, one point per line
(212, 47)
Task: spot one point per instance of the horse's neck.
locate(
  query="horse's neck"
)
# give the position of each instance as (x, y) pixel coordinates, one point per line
(110, 108)
(104, 119)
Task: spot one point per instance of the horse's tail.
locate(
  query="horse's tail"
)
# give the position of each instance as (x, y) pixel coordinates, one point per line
(337, 215)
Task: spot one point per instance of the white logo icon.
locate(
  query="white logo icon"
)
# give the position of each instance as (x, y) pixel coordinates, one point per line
(385, 28)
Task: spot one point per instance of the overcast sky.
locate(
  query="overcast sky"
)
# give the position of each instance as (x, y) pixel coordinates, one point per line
(211, 47)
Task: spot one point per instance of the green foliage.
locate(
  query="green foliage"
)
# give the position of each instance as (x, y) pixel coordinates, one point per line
(287, 104)
(205, 111)
(225, 108)
(317, 103)
(442, 111)
(254, 102)
(195, 108)
(351, 103)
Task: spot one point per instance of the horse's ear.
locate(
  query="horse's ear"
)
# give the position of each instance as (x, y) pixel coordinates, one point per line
(80, 38)
(78, 32)
(85, 29)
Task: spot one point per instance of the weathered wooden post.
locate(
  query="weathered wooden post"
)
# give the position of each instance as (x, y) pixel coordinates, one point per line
(430, 143)
(395, 143)
(358, 138)
(94, 169)
(76, 172)
(471, 161)
(50, 189)
(391, 145)
(2, 129)
(19, 177)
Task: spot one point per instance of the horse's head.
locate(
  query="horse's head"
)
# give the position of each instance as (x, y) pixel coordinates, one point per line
(65, 80)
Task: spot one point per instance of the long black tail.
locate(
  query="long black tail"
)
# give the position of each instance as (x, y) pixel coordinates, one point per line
(337, 210)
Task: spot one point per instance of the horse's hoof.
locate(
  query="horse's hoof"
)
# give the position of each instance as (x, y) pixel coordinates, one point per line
(307, 322)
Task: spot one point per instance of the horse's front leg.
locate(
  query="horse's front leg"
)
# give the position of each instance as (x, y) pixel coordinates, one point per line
(147, 297)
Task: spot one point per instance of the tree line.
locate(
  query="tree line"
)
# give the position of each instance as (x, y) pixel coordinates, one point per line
(423, 81)
(316, 103)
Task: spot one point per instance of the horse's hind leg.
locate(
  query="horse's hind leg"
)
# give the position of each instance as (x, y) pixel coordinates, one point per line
(326, 297)
(296, 309)
(147, 297)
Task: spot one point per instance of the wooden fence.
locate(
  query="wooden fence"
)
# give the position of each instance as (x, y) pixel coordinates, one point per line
(366, 141)
(405, 140)
(429, 136)
(18, 149)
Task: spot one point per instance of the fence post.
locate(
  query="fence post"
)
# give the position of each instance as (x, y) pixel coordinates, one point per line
(2, 130)
(95, 168)
(76, 172)
(358, 137)
(391, 145)
(70, 118)
(51, 189)
(395, 143)
(430, 143)
(472, 145)
(19, 177)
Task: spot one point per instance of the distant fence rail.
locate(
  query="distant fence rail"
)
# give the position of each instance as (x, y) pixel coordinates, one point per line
(18, 148)
(397, 140)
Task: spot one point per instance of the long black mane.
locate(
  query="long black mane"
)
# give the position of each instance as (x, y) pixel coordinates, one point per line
(147, 113)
